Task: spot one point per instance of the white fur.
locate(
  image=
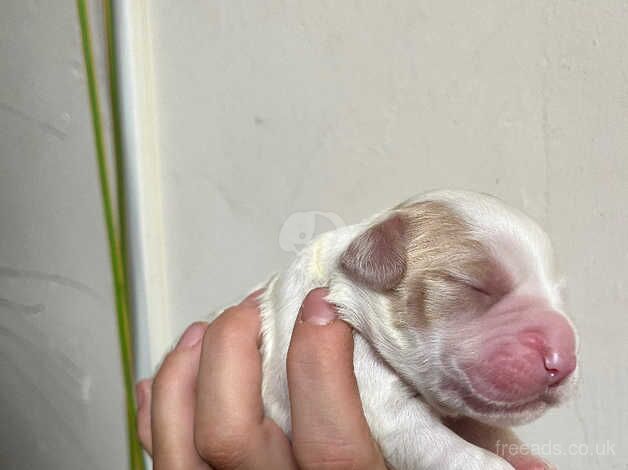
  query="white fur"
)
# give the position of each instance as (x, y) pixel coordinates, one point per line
(407, 428)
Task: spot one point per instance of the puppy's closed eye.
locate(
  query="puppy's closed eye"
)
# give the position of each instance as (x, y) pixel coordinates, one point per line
(472, 285)
(474, 291)
(479, 290)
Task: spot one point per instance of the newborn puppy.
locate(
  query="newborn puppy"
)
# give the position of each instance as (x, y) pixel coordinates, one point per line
(457, 313)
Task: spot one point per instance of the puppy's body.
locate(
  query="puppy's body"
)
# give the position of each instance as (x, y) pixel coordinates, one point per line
(402, 281)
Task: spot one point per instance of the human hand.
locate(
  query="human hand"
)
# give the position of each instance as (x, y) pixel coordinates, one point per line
(204, 409)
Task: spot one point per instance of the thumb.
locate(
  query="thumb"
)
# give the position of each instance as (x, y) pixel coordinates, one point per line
(327, 415)
(321, 351)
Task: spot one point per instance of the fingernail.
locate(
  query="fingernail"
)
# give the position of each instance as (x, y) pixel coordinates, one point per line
(140, 394)
(192, 335)
(252, 299)
(315, 310)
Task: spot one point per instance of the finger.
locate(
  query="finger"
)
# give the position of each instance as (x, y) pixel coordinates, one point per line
(173, 402)
(328, 422)
(231, 430)
(143, 393)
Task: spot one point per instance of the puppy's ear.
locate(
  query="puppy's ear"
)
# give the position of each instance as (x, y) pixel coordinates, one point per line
(377, 258)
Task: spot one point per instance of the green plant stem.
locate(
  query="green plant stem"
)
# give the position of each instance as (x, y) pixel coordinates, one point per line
(115, 251)
(116, 118)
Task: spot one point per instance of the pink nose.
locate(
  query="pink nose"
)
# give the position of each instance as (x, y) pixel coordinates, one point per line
(559, 365)
(557, 345)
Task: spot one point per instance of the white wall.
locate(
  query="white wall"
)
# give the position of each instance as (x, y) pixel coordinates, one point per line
(61, 403)
(270, 108)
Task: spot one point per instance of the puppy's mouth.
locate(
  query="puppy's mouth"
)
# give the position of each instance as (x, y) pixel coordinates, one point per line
(481, 400)
(503, 412)
(549, 396)
(484, 405)
(490, 412)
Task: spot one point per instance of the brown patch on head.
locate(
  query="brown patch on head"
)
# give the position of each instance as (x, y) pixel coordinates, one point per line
(425, 258)
(449, 270)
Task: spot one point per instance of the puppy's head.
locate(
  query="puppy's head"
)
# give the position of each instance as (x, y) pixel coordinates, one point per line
(467, 308)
